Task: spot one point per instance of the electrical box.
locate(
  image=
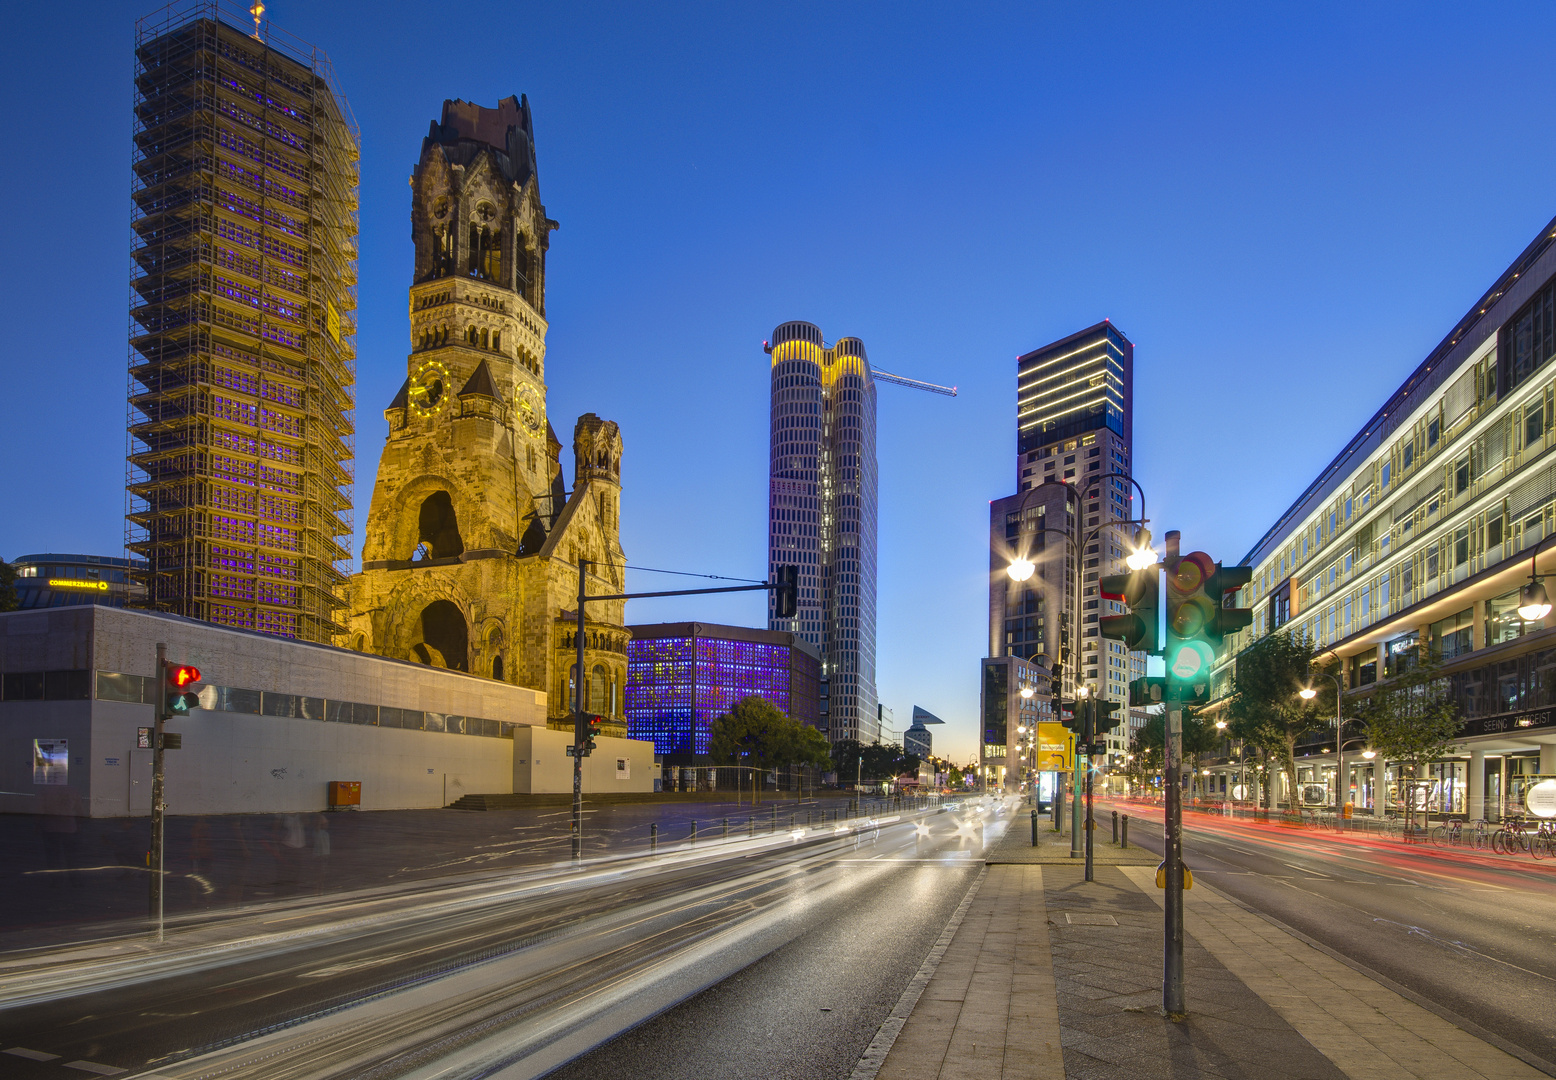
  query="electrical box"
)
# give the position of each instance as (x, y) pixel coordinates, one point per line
(345, 793)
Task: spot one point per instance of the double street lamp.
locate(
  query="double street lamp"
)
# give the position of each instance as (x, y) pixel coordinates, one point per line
(1021, 569)
(1342, 785)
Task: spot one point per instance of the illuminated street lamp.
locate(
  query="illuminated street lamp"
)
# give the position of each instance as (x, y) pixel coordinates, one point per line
(1142, 557)
(1021, 569)
(1342, 783)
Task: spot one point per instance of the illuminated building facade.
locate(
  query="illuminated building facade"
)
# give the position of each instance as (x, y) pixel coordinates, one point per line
(52, 580)
(1074, 414)
(473, 543)
(683, 676)
(822, 505)
(1422, 533)
(242, 362)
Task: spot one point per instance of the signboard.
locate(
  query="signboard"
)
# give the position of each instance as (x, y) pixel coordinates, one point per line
(1540, 799)
(1239, 792)
(332, 321)
(1054, 747)
(143, 738)
(1315, 794)
(623, 768)
(50, 762)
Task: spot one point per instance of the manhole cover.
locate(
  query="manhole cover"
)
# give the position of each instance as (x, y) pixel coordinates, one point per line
(1082, 919)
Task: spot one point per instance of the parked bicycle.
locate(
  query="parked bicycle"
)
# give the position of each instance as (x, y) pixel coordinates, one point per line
(1449, 834)
(1512, 838)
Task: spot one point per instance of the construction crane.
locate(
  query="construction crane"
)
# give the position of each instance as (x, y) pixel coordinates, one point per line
(915, 384)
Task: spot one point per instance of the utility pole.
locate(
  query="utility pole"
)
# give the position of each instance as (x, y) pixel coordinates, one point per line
(1090, 731)
(158, 799)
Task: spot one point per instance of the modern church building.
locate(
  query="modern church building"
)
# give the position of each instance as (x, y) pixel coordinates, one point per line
(822, 514)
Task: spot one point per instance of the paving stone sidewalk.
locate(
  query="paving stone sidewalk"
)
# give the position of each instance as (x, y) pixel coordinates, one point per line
(1054, 978)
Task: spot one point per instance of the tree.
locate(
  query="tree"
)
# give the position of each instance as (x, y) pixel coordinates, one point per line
(8, 598)
(1265, 710)
(1412, 720)
(879, 762)
(1199, 737)
(756, 733)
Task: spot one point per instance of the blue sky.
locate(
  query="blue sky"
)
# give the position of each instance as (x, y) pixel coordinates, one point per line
(1284, 206)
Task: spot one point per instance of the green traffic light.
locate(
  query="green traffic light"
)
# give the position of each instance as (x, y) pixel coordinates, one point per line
(1190, 661)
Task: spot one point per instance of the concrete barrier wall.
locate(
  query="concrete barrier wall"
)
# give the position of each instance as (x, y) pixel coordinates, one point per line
(237, 763)
(541, 765)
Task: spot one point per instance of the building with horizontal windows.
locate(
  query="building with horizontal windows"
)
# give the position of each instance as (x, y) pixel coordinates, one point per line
(1423, 529)
(1074, 425)
(683, 676)
(918, 739)
(54, 580)
(822, 505)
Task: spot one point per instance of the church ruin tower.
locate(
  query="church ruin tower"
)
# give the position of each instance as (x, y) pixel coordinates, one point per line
(470, 559)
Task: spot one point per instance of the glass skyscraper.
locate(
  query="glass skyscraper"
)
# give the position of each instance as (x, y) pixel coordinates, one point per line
(822, 514)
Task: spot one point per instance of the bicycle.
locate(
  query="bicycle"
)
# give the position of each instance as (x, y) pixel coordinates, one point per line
(1479, 838)
(1542, 845)
(1449, 834)
(1511, 838)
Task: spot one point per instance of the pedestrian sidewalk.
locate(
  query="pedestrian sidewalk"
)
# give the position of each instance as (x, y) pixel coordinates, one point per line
(1049, 976)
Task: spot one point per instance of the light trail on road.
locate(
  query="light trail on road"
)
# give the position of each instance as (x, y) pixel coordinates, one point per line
(509, 972)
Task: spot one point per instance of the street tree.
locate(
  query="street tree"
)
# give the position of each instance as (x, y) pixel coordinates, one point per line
(1265, 710)
(8, 598)
(756, 733)
(1412, 720)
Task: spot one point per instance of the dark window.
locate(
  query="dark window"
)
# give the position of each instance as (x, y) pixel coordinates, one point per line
(1534, 423)
(136, 689)
(1528, 339)
(1461, 475)
(278, 704)
(1433, 432)
(22, 686)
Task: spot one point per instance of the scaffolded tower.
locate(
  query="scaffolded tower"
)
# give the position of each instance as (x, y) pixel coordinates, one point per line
(243, 295)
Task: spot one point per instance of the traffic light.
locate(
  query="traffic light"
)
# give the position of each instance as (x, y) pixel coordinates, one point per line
(1105, 720)
(591, 729)
(1140, 592)
(1196, 620)
(786, 595)
(181, 695)
(1151, 690)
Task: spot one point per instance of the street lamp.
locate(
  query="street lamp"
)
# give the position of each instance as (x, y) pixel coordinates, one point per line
(1533, 603)
(1342, 784)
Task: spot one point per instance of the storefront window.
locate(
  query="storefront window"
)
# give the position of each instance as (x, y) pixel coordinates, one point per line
(1453, 636)
(1502, 620)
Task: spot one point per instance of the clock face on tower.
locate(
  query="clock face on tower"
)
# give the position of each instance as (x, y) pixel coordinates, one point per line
(529, 406)
(429, 388)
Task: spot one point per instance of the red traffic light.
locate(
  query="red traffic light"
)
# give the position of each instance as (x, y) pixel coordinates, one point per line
(182, 675)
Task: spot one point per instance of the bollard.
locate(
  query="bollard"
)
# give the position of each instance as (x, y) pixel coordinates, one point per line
(751, 826)
(807, 817)
(653, 837)
(775, 818)
(1115, 826)
(1124, 836)
(694, 830)
(726, 826)
(1034, 828)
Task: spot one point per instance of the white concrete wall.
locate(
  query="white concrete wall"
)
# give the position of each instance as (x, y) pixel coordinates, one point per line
(237, 763)
(541, 765)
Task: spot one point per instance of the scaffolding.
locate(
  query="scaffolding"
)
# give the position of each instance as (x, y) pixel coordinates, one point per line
(242, 361)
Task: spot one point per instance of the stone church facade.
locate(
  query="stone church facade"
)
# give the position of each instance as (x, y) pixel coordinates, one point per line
(471, 555)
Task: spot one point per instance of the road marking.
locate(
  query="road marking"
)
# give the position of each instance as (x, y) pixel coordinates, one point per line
(1305, 870)
(94, 1067)
(30, 1055)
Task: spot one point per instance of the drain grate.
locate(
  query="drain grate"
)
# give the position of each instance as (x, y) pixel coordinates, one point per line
(1082, 919)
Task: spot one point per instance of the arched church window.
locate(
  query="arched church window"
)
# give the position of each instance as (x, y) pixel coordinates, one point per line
(497, 667)
(484, 338)
(599, 688)
(438, 528)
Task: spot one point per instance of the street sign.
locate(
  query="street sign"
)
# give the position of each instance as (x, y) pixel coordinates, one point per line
(1054, 742)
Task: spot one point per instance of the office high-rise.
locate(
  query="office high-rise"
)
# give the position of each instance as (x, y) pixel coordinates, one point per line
(242, 362)
(1074, 411)
(822, 514)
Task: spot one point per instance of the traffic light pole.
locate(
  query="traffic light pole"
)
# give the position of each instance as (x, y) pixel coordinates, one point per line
(1090, 730)
(580, 726)
(158, 802)
(1172, 849)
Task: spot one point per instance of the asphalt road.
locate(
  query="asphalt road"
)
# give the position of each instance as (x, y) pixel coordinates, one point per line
(515, 973)
(1471, 933)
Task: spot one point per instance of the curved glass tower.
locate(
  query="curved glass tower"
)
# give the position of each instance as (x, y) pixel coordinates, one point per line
(822, 514)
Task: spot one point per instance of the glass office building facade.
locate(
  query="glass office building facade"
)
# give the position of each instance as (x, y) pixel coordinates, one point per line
(822, 507)
(683, 676)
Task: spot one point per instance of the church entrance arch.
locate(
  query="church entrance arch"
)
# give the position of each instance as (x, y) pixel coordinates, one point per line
(444, 635)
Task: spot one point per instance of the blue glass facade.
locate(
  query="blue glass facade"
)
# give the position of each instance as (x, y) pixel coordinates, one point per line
(682, 676)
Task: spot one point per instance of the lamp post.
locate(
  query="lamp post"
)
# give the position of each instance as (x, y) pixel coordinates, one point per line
(1021, 569)
(1342, 784)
